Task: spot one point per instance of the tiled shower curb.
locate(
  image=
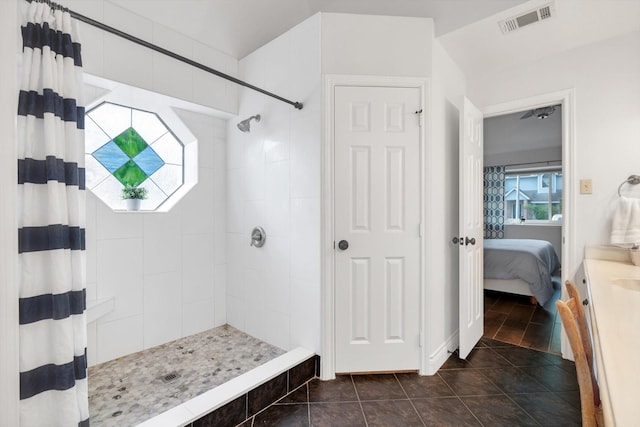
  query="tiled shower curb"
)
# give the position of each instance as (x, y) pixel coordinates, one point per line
(233, 402)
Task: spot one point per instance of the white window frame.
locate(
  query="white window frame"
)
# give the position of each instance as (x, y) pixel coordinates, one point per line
(165, 108)
(552, 171)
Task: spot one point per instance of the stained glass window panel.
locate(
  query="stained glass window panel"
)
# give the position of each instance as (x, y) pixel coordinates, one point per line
(95, 172)
(113, 119)
(170, 176)
(111, 156)
(126, 146)
(130, 142)
(170, 149)
(94, 136)
(130, 174)
(148, 125)
(148, 161)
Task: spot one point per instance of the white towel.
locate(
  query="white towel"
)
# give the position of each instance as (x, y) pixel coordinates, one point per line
(625, 227)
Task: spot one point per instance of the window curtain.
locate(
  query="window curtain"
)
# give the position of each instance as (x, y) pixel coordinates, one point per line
(51, 222)
(494, 202)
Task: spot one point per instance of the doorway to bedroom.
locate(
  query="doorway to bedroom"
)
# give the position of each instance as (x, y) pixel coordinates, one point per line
(523, 202)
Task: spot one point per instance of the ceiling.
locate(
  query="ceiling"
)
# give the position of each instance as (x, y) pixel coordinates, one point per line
(509, 133)
(481, 48)
(238, 27)
(467, 29)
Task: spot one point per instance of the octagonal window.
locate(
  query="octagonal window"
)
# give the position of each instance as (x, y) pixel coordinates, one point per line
(134, 138)
(135, 148)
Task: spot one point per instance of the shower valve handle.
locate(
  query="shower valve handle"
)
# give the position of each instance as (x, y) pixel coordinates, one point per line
(258, 237)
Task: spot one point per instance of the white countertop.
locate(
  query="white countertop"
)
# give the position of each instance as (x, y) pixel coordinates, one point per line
(614, 297)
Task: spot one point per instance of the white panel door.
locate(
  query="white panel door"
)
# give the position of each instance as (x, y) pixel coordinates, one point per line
(471, 229)
(377, 212)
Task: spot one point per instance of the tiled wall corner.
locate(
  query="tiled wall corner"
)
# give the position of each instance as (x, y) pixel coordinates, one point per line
(273, 181)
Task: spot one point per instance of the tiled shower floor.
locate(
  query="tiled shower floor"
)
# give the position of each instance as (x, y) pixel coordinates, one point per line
(133, 388)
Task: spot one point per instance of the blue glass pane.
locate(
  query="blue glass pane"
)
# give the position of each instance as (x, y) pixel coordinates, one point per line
(111, 156)
(148, 161)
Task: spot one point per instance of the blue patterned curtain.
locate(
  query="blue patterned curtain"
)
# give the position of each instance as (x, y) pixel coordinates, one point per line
(494, 202)
(51, 222)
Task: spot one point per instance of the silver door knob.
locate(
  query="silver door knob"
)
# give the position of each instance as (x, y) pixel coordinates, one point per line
(469, 240)
(343, 245)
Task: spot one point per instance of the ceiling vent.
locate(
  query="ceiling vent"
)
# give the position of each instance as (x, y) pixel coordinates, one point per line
(516, 22)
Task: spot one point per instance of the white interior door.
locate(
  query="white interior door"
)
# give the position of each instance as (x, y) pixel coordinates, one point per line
(471, 312)
(377, 212)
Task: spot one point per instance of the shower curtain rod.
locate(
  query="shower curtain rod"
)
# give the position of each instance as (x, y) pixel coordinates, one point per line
(115, 31)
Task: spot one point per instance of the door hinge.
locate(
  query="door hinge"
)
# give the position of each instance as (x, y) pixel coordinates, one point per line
(420, 230)
(420, 340)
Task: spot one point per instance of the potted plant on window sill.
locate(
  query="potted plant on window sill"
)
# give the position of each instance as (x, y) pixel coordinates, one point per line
(133, 196)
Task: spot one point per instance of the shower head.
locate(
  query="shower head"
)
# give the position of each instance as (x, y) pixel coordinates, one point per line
(245, 125)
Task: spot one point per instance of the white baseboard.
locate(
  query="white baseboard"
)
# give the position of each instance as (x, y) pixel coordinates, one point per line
(442, 353)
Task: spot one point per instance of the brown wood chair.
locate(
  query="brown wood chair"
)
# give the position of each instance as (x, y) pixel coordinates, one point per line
(572, 290)
(572, 315)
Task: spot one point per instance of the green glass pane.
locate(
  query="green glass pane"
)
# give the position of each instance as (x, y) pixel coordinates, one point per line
(130, 142)
(130, 174)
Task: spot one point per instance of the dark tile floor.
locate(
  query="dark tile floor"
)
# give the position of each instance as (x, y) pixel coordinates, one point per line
(513, 319)
(499, 384)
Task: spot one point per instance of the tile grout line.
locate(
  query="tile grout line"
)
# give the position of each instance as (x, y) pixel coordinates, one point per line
(524, 332)
(553, 328)
(306, 385)
(524, 410)
(548, 338)
(503, 392)
(460, 399)
(410, 401)
(499, 327)
(353, 383)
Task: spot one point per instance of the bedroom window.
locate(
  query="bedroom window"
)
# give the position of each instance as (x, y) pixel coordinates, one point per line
(533, 197)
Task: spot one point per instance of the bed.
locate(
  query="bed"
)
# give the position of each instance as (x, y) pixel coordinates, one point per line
(520, 266)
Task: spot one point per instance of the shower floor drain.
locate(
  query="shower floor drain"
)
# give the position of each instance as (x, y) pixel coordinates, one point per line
(170, 377)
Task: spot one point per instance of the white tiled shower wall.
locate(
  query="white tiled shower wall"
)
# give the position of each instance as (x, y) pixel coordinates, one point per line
(166, 271)
(273, 181)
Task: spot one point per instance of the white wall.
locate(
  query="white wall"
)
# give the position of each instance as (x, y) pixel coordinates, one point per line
(273, 292)
(376, 45)
(166, 271)
(607, 120)
(112, 57)
(448, 88)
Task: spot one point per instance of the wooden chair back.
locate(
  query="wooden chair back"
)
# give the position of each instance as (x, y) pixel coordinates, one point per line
(572, 290)
(589, 393)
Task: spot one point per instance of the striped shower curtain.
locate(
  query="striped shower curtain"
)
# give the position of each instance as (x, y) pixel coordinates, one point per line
(51, 222)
